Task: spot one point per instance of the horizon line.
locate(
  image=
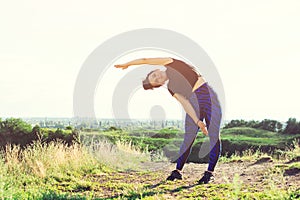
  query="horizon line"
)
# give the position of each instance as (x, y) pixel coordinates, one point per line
(142, 119)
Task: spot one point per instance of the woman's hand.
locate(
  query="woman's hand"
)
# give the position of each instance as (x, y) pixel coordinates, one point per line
(122, 66)
(203, 128)
(191, 112)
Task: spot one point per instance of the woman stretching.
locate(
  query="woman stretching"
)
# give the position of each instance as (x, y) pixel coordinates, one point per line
(199, 101)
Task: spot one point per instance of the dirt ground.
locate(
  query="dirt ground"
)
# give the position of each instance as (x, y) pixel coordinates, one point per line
(252, 176)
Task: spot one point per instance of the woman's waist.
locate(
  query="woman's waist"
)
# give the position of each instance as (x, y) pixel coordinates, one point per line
(200, 82)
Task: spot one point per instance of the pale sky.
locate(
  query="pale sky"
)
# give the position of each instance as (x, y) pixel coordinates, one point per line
(255, 46)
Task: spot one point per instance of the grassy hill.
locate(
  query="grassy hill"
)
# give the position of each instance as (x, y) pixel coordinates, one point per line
(126, 168)
(57, 171)
(258, 136)
(168, 140)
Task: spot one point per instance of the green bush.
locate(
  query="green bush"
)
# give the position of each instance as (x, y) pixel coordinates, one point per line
(18, 132)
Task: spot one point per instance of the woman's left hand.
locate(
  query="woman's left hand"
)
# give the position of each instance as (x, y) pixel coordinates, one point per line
(203, 128)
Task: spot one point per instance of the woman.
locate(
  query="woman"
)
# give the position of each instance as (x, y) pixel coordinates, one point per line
(199, 102)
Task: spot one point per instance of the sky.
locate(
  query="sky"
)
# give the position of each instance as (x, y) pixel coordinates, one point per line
(255, 46)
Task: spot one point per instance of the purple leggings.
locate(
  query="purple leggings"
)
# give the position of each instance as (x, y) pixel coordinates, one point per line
(206, 104)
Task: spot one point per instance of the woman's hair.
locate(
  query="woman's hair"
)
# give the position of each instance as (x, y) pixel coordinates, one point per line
(146, 83)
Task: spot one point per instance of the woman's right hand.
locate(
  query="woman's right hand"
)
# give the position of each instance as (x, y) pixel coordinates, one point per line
(203, 128)
(122, 66)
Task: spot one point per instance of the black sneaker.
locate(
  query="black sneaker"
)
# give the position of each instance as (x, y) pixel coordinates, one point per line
(174, 175)
(207, 178)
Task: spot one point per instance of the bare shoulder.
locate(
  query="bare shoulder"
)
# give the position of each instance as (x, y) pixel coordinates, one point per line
(168, 60)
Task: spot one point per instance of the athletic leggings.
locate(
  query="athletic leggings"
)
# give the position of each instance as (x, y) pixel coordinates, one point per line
(207, 106)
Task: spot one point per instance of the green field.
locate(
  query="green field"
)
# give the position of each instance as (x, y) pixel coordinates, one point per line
(234, 140)
(132, 165)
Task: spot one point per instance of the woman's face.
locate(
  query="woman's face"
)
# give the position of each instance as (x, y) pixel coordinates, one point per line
(157, 77)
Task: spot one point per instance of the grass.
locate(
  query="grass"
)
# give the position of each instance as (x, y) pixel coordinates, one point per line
(256, 136)
(248, 155)
(55, 170)
(289, 154)
(122, 155)
(104, 170)
(26, 174)
(240, 138)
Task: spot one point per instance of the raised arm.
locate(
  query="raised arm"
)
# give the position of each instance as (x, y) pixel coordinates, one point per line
(191, 112)
(150, 61)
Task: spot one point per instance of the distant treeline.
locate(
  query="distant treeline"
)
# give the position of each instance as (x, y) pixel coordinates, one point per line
(292, 126)
(16, 131)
